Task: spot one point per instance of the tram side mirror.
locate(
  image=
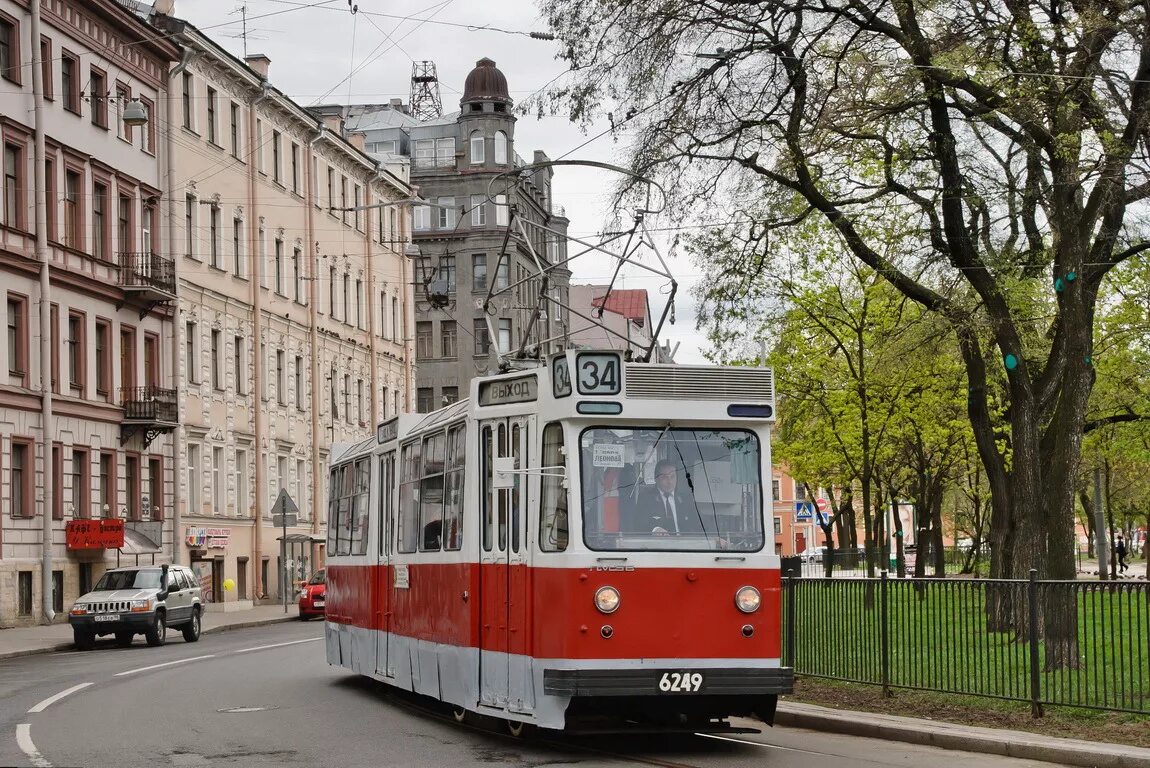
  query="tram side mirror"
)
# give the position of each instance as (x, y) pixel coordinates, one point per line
(503, 472)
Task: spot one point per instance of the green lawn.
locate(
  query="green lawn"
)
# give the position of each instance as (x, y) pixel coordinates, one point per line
(937, 640)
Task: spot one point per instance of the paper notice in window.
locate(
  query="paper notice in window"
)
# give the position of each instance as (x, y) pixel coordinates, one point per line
(607, 455)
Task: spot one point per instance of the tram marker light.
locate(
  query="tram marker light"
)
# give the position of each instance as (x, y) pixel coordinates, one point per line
(607, 599)
(748, 600)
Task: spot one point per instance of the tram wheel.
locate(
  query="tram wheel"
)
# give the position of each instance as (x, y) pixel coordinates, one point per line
(459, 714)
(517, 728)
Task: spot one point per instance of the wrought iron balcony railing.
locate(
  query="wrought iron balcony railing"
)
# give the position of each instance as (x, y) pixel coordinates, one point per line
(149, 404)
(147, 271)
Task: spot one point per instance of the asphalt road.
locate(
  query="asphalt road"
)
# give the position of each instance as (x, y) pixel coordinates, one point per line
(266, 696)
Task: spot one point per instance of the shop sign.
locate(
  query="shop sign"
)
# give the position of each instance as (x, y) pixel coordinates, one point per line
(208, 538)
(94, 534)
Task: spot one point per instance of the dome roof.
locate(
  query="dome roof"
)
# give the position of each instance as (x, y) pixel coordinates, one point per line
(485, 83)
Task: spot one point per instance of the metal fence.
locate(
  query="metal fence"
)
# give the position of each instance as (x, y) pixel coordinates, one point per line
(1065, 643)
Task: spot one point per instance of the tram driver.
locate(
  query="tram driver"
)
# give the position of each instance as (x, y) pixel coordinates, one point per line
(664, 508)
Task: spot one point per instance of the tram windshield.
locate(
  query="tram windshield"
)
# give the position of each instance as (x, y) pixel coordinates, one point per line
(671, 489)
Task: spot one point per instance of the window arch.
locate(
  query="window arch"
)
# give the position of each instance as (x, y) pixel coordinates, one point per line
(501, 147)
(478, 154)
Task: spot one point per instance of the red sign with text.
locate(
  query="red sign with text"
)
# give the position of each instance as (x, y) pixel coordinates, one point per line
(94, 534)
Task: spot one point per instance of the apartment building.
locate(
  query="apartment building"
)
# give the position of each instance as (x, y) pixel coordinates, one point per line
(87, 401)
(294, 314)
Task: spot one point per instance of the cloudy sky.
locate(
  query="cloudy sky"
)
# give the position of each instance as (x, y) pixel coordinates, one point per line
(321, 53)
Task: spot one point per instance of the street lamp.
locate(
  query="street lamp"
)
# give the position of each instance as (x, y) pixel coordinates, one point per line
(134, 114)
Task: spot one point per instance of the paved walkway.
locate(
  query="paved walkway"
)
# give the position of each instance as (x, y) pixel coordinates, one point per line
(22, 641)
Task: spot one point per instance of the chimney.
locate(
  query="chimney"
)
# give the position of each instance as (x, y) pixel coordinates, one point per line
(333, 123)
(358, 139)
(397, 104)
(164, 7)
(259, 64)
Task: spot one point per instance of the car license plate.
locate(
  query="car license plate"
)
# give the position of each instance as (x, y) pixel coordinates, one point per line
(109, 617)
(681, 682)
(317, 603)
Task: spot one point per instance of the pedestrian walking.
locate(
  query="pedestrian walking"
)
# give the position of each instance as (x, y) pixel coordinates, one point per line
(1120, 550)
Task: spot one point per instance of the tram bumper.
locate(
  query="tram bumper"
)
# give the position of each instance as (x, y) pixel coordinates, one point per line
(671, 695)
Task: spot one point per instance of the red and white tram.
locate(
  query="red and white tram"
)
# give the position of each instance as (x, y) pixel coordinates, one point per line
(577, 546)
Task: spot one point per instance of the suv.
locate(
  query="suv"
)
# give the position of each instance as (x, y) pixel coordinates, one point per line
(139, 600)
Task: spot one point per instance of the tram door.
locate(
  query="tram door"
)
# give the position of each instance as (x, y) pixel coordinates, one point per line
(503, 558)
(385, 584)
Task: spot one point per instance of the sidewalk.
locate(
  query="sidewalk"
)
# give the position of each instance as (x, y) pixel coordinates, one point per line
(24, 641)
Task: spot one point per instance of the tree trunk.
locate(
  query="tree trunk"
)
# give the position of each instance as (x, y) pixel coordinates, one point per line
(936, 532)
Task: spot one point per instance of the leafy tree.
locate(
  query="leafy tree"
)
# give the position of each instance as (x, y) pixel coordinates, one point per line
(1013, 135)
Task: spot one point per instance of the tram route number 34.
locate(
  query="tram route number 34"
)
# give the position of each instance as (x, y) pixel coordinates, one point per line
(681, 682)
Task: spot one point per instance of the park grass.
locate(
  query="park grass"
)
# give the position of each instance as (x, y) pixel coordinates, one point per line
(937, 640)
(1061, 722)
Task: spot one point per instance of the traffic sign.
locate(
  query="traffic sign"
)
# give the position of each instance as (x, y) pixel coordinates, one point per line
(822, 504)
(285, 514)
(804, 510)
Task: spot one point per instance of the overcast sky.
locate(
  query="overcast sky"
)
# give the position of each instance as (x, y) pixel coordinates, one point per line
(315, 46)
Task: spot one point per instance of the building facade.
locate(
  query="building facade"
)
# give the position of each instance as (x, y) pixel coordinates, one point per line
(460, 164)
(87, 401)
(294, 316)
(622, 321)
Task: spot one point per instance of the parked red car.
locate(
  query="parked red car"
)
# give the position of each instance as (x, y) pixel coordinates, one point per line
(311, 596)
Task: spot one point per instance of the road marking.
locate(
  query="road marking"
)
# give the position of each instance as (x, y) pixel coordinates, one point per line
(165, 664)
(278, 645)
(756, 743)
(24, 741)
(53, 699)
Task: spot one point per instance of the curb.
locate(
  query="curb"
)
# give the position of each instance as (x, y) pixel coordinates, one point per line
(932, 733)
(68, 646)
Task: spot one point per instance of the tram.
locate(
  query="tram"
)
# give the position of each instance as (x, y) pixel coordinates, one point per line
(579, 546)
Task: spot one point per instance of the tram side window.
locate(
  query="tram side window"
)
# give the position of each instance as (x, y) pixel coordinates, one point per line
(347, 493)
(409, 498)
(453, 500)
(386, 503)
(431, 493)
(361, 513)
(333, 488)
(488, 489)
(515, 491)
(502, 494)
(553, 502)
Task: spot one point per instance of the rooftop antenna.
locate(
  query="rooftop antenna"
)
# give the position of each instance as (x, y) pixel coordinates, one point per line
(243, 11)
(425, 103)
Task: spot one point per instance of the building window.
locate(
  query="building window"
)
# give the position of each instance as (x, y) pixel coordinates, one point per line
(447, 272)
(359, 304)
(450, 395)
(778, 526)
(20, 478)
(100, 221)
(81, 483)
(276, 141)
(258, 146)
(98, 92)
(214, 234)
(331, 188)
(132, 486)
(281, 378)
(347, 398)
(346, 298)
(187, 99)
(424, 397)
(70, 81)
(13, 186)
(243, 498)
(77, 351)
(46, 66)
(299, 383)
(421, 215)
(189, 226)
(195, 479)
(124, 225)
(331, 292)
(57, 482)
(148, 144)
(235, 111)
(356, 193)
(295, 167)
(240, 365)
(477, 147)
(107, 484)
(502, 274)
(156, 488)
(500, 148)
(424, 154)
(502, 214)
(359, 400)
(479, 332)
(800, 491)
(343, 198)
(297, 280)
(383, 315)
(504, 335)
(447, 339)
(446, 212)
(217, 360)
(279, 266)
(103, 357)
(219, 490)
(72, 216)
(52, 201)
(191, 357)
(775, 490)
(123, 97)
(395, 330)
(25, 588)
(127, 357)
(478, 211)
(238, 246)
(424, 343)
(445, 152)
(9, 50)
(17, 336)
(212, 98)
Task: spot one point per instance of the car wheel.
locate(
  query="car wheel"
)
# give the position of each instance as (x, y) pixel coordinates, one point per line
(192, 628)
(157, 633)
(85, 640)
(124, 639)
(303, 617)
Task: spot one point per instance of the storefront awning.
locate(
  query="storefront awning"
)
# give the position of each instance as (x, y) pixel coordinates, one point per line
(136, 543)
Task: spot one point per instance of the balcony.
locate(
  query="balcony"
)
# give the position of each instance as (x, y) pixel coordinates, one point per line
(148, 278)
(150, 410)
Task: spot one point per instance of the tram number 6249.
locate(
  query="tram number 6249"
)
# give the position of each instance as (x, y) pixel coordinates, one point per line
(681, 682)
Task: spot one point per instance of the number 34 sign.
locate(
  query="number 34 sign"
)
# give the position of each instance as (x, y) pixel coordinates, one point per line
(598, 373)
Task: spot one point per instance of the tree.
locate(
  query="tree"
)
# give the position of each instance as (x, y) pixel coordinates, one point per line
(1013, 135)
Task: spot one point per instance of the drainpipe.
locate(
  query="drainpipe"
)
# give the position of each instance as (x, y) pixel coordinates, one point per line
(47, 422)
(257, 340)
(186, 56)
(313, 319)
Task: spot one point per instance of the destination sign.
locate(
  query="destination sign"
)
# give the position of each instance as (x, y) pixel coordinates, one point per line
(560, 378)
(524, 389)
(387, 431)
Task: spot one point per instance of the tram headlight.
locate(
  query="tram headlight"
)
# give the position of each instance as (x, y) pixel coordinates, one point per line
(607, 599)
(747, 599)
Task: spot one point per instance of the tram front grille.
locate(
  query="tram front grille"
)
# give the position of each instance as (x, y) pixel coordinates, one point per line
(685, 382)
